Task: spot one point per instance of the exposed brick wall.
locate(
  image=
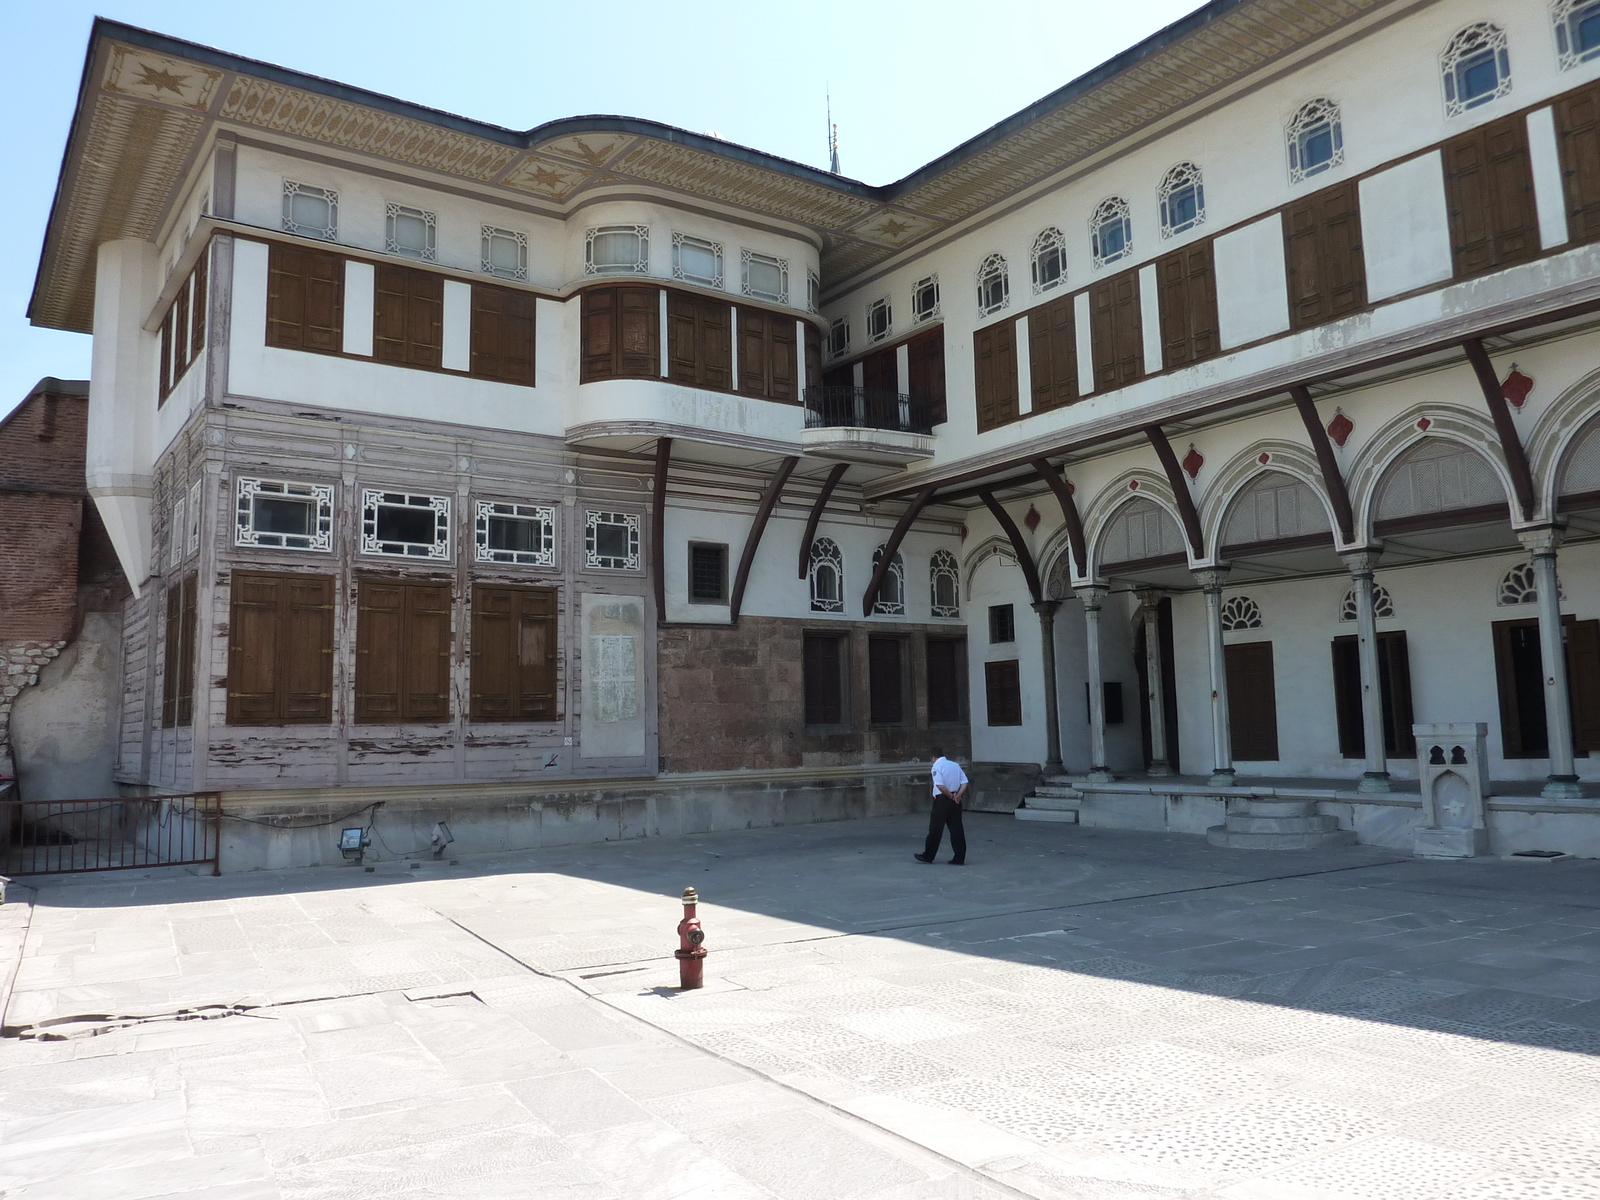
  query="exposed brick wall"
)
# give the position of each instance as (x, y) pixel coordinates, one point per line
(732, 698)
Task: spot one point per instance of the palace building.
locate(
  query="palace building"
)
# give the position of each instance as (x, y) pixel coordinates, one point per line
(1213, 445)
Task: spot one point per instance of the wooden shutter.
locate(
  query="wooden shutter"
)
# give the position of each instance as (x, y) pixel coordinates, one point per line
(1186, 287)
(1347, 696)
(884, 679)
(164, 367)
(754, 345)
(280, 650)
(170, 669)
(408, 316)
(286, 296)
(638, 341)
(1489, 191)
(513, 654)
(1519, 679)
(683, 339)
(197, 335)
(324, 306)
(1252, 701)
(813, 358)
(944, 680)
(926, 368)
(186, 650)
(1116, 331)
(182, 355)
(1053, 354)
(1002, 688)
(994, 353)
(1578, 133)
(426, 660)
(380, 652)
(824, 691)
(502, 334)
(1583, 683)
(700, 342)
(306, 694)
(880, 372)
(1327, 274)
(599, 353)
(1394, 682)
(783, 374)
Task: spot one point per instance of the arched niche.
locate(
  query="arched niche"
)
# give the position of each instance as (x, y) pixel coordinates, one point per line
(1142, 541)
(1278, 518)
(1438, 497)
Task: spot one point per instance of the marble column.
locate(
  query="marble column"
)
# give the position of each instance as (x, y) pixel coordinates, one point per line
(1154, 685)
(1563, 779)
(1375, 776)
(1092, 597)
(1052, 720)
(1211, 582)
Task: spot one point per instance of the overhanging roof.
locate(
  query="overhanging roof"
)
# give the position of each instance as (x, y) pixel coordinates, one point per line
(148, 104)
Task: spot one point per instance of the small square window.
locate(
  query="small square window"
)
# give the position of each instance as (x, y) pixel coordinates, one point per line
(1577, 31)
(515, 533)
(505, 253)
(839, 337)
(617, 250)
(696, 260)
(611, 541)
(765, 277)
(1002, 624)
(708, 573)
(879, 320)
(925, 299)
(405, 525)
(409, 232)
(279, 515)
(310, 211)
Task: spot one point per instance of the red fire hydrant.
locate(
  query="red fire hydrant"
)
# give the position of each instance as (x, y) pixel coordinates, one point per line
(691, 951)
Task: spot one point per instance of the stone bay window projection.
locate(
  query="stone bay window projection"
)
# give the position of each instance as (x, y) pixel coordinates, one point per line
(444, 458)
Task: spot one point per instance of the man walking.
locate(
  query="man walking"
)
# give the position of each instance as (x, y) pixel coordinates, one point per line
(949, 790)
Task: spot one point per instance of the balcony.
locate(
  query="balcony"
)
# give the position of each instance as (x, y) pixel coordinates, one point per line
(866, 425)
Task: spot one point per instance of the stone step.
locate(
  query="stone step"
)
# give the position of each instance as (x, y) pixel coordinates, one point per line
(1067, 816)
(1221, 835)
(1251, 823)
(1054, 803)
(1060, 790)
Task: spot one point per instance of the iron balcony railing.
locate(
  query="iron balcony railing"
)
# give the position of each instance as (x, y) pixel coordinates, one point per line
(46, 837)
(865, 408)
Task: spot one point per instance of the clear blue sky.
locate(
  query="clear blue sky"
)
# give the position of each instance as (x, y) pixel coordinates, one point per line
(908, 83)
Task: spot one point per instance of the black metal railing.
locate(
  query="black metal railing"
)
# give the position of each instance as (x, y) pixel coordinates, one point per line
(49, 837)
(865, 408)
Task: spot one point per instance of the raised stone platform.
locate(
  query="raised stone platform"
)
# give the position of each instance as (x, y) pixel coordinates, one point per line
(1053, 800)
(1279, 824)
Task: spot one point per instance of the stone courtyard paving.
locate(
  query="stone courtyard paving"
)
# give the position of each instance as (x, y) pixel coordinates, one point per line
(1077, 1013)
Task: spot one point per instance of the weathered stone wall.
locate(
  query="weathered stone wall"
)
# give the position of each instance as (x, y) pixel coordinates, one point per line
(734, 697)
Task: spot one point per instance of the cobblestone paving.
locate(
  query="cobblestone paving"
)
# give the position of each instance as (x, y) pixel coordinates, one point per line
(1077, 1013)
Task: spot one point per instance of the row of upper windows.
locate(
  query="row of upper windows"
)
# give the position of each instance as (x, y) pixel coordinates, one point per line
(608, 249)
(826, 576)
(1475, 68)
(279, 514)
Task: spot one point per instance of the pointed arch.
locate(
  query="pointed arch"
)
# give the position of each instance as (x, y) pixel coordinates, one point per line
(1109, 501)
(1470, 429)
(1561, 427)
(992, 547)
(1282, 457)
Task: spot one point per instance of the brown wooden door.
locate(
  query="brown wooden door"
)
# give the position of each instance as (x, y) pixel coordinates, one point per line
(1489, 191)
(1186, 286)
(994, 353)
(1519, 679)
(1252, 701)
(1053, 354)
(925, 354)
(1327, 274)
(1394, 689)
(880, 373)
(1583, 684)
(945, 657)
(885, 679)
(824, 679)
(1002, 692)
(1578, 132)
(502, 334)
(1116, 331)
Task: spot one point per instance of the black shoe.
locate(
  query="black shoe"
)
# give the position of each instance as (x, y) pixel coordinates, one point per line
(958, 862)
(928, 858)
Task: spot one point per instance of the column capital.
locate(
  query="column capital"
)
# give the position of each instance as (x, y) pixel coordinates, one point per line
(1046, 608)
(1213, 579)
(1091, 595)
(1542, 540)
(1150, 597)
(1363, 561)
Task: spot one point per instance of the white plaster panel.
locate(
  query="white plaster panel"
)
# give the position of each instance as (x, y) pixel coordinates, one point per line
(1024, 368)
(1150, 318)
(1405, 227)
(360, 292)
(1080, 327)
(902, 362)
(612, 659)
(1252, 289)
(1548, 193)
(635, 400)
(457, 333)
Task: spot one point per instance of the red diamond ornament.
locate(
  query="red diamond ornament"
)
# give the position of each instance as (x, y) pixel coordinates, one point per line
(1133, 485)
(1263, 458)
(1340, 428)
(1424, 424)
(1192, 462)
(1516, 387)
(1032, 519)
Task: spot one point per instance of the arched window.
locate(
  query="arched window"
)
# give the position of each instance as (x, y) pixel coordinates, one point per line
(1140, 530)
(827, 576)
(944, 584)
(1316, 139)
(1183, 199)
(1050, 258)
(1111, 231)
(1274, 507)
(1382, 603)
(891, 601)
(1476, 66)
(1240, 612)
(1437, 475)
(1520, 585)
(1577, 31)
(994, 285)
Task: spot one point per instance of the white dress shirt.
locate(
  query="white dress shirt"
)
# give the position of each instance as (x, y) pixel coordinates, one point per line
(949, 774)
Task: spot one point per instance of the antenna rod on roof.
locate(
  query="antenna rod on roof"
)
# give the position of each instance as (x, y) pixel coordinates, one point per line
(833, 139)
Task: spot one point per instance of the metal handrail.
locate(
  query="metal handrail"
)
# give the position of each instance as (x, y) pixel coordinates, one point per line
(836, 406)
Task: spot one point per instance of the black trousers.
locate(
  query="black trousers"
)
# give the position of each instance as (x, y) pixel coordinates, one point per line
(946, 812)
